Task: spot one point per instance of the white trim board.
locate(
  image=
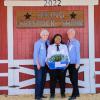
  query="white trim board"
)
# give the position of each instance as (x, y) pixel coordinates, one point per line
(3, 87)
(3, 74)
(97, 59)
(97, 85)
(47, 91)
(3, 61)
(10, 35)
(42, 2)
(91, 48)
(10, 48)
(97, 72)
(30, 61)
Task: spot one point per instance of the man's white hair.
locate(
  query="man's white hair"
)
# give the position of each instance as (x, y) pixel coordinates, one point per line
(71, 30)
(44, 31)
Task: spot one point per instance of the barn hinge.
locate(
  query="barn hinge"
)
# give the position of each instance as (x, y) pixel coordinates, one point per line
(14, 86)
(14, 68)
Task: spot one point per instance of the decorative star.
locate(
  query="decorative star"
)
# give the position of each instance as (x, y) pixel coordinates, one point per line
(73, 15)
(27, 16)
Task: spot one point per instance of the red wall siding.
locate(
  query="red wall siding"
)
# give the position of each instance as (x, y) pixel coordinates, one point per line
(3, 46)
(97, 78)
(3, 79)
(97, 31)
(24, 38)
(4, 68)
(3, 31)
(97, 43)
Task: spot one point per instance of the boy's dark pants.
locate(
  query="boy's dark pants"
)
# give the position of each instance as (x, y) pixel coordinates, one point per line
(73, 74)
(40, 76)
(57, 76)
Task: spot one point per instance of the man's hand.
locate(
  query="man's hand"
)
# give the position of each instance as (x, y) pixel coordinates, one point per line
(77, 66)
(67, 65)
(38, 67)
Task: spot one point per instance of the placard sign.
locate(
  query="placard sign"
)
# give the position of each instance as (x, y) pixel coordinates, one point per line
(50, 19)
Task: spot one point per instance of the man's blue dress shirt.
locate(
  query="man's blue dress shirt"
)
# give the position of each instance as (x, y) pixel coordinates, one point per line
(74, 51)
(40, 52)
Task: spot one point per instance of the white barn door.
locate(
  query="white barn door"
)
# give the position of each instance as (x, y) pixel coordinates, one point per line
(23, 85)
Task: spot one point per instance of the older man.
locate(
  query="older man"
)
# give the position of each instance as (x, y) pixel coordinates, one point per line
(39, 63)
(74, 55)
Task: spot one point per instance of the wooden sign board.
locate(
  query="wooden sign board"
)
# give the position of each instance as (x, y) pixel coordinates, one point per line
(49, 19)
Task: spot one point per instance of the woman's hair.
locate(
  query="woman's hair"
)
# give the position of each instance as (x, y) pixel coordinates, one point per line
(53, 40)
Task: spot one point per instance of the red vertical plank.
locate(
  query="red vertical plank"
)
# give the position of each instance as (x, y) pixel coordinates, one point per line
(3, 31)
(4, 92)
(4, 68)
(4, 81)
(97, 31)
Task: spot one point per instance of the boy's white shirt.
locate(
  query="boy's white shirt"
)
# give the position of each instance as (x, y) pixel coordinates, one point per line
(52, 50)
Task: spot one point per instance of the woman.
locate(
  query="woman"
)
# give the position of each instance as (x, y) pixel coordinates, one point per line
(57, 74)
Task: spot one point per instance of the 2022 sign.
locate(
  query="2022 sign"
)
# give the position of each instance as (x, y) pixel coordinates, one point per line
(52, 3)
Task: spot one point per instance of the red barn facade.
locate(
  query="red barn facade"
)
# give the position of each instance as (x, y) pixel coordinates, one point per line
(16, 46)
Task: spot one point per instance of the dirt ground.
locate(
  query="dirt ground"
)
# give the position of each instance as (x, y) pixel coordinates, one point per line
(31, 97)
